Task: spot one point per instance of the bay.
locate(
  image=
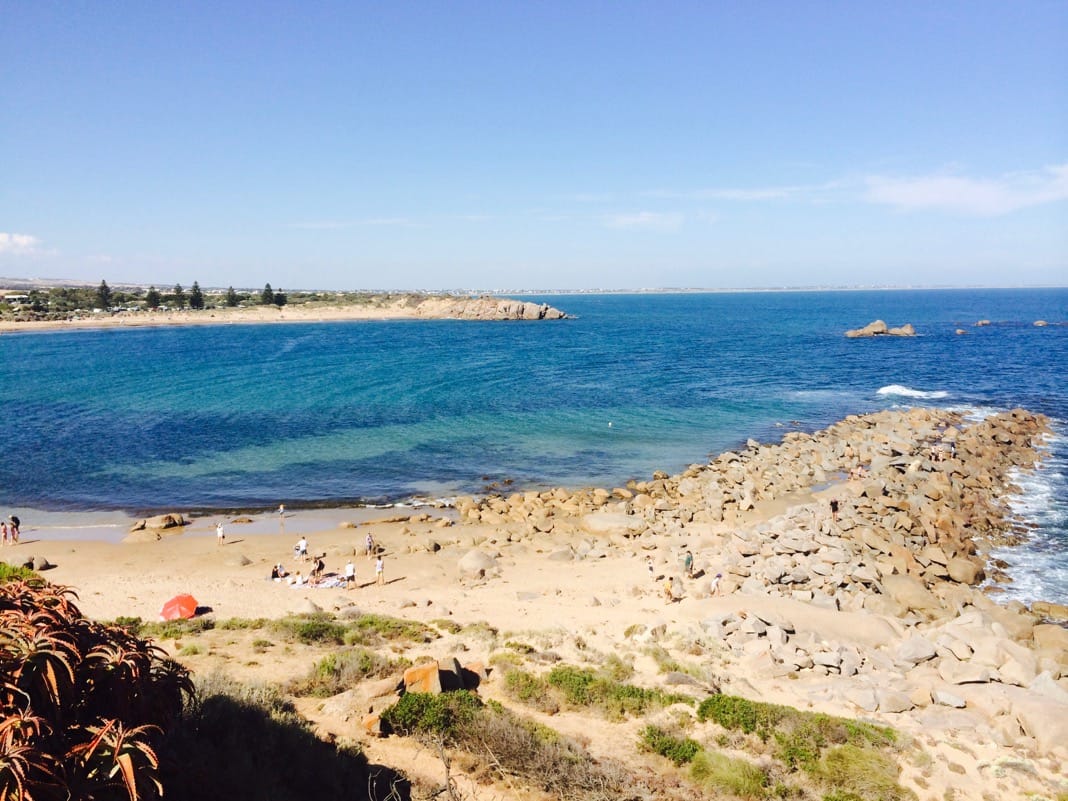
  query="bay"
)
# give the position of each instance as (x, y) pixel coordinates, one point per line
(245, 417)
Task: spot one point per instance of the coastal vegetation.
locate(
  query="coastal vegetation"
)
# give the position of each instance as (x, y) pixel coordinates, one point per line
(85, 705)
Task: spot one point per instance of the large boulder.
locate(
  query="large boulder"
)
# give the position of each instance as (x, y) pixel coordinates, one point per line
(159, 522)
(476, 563)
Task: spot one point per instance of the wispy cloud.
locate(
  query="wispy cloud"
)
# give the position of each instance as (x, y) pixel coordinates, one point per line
(328, 225)
(18, 244)
(754, 194)
(647, 220)
(981, 197)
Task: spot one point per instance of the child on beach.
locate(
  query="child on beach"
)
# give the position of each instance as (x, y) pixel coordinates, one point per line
(713, 588)
(3, 531)
(220, 534)
(380, 574)
(350, 574)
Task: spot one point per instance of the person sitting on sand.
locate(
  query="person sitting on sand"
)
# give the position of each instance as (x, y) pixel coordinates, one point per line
(297, 580)
(278, 572)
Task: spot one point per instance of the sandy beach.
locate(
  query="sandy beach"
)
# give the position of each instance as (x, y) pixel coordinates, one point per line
(588, 584)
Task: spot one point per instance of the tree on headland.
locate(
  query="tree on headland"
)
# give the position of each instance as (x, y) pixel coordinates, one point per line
(179, 296)
(231, 297)
(152, 298)
(103, 296)
(267, 296)
(279, 298)
(196, 297)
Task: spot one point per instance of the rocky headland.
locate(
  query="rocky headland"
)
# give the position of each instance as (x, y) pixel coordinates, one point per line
(358, 306)
(857, 557)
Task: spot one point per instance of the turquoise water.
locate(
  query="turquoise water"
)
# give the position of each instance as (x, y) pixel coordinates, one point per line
(230, 416)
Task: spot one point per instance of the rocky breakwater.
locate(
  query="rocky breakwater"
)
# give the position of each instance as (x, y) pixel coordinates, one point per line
(878, 600)
(485, 308)
(878, 328)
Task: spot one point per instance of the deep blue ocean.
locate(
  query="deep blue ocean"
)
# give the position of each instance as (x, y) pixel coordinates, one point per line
(246, 417)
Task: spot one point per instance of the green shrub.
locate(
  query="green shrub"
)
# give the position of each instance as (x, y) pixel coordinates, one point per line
(862, 771)
(175, 629)
(242, 623)
(375, 629)
(530, 690)
(338, 671)
(443, 714)
(18, 573)
(722, 774)
(732, 712)
(679, 750)
(574, 683)
(319, 628)
(584, 688)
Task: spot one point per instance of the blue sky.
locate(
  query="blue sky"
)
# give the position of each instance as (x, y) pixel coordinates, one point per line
(535, 145)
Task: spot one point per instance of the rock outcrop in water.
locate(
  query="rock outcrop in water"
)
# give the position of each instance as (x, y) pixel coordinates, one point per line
(878, 328)
(485, 308)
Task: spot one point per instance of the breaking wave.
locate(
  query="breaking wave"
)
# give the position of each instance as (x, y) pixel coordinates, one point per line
(908, 392)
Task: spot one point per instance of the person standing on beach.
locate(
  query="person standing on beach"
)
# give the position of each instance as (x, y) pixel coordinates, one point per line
(380, 571)
(370, 545)
(3, 531)
(14, 527)
(350, 575)
(220, 534)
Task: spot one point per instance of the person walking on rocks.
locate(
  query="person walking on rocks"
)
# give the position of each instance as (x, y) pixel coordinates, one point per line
(380, 571)
(834, 510)
(687, 564)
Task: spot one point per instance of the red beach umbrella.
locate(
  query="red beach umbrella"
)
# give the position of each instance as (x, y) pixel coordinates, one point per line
(180, 606)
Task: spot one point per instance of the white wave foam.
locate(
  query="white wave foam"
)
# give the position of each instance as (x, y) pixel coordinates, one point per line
(908, 392)
(1039, 566)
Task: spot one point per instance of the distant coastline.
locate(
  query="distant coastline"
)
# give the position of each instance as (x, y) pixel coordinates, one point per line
(371, 307)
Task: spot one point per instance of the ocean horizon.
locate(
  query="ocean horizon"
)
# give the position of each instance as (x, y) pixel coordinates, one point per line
(244, 417)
